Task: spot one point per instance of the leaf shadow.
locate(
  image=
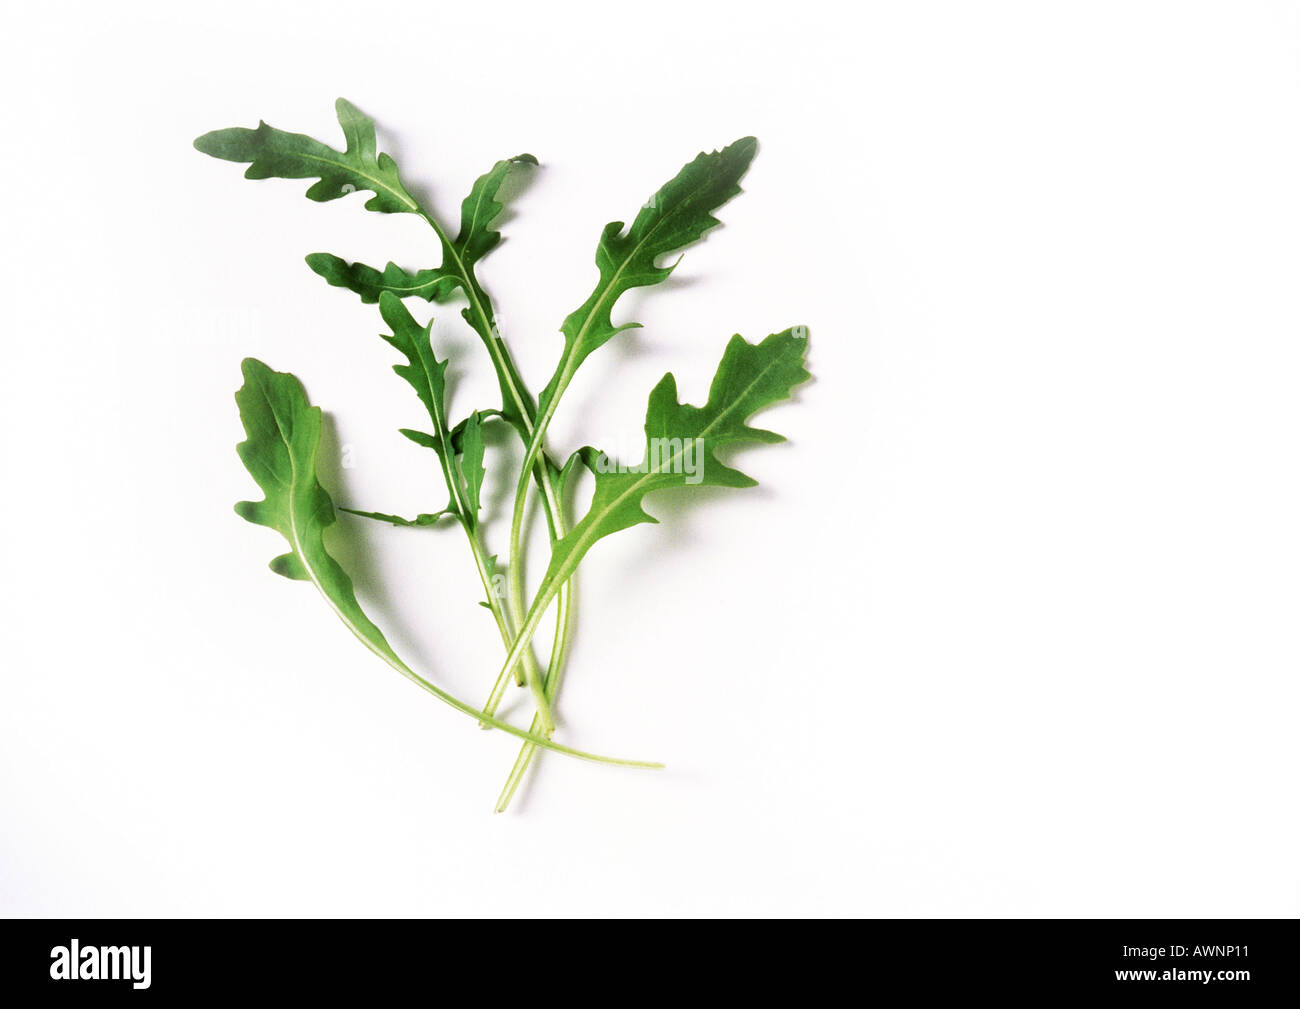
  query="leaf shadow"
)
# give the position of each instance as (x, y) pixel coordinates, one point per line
(501, 445)
(347, 541)
(630, 344)
(517, 182)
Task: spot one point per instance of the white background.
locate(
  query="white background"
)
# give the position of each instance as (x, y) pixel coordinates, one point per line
(1008, 629)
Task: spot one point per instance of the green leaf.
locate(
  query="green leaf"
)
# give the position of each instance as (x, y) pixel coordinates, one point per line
(471, 465)
(458, 432)
(427, 376)
(423, 519)
(284, 432)
(369, 283)
(280, 453)
(422, 371)
(680, 444)
(476, 239)
(273, 153)
(422, 439)
(681, 439)
(680, 213)
(479, 211)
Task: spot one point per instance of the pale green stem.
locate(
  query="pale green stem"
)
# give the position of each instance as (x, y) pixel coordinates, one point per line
(535, 466)
(517, 772)
(497, 723)
(515, 570)
(480, 562)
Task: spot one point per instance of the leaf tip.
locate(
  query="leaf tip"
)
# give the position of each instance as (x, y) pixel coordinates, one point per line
(251, 368)
(394, 312)
(223, 144)
(742, 150)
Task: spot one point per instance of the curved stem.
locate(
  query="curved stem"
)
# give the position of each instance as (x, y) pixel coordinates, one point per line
(528, 750)
(533, 455)
(559, 646)
(517, 773)
(504, 726)
(468, 522)
(480, 562)
(381, 648)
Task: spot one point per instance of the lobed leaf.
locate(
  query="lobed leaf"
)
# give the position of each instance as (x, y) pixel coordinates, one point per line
(749, 378)
(423, 519)
(681, 439)
(369, 283)
(275, 154)
(471, 465)
(479, 211)
(284, 433)
(427, 375)
(477, 238)
(422, 371)
(680, 213)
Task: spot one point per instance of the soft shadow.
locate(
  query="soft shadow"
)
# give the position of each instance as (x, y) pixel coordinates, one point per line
(503, 456)
(629, 344)
(347, 539)
(518, 181)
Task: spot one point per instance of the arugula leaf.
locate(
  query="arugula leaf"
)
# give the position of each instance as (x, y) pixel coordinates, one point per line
(275, 154)
(681, 439)
(680, 213)
(422, 371)
(476, 239)
(680, 445)
(280, 454)
(283, 437)
(471, 465)
(427, 376)
(458, 432)
(369, 283)
(421, 438)
(423, 519)
(479, 212)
